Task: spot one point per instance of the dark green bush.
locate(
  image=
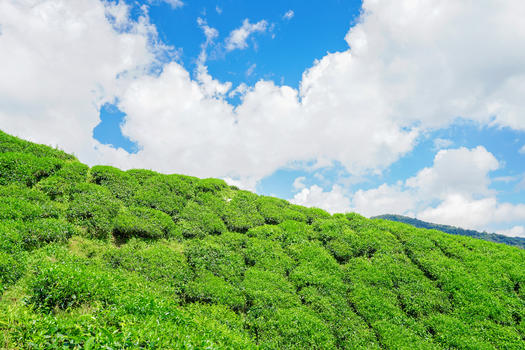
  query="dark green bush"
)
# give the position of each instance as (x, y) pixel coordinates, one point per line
(94, 208)
(26, 169)
(144, 223)
(199, 221)
(241, 212)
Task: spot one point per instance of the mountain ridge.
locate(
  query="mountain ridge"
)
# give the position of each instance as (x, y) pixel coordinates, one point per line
(491, 237)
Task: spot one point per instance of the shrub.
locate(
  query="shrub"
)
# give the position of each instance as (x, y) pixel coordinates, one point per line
(294, 232)
(162, 262)
(169, 203)
(267, 255)
(293, 328)
(25, 168)
(216, 256)
(210, 185)
(40, 232)
(176, 184)
(94, 208)
(208, 288)
(142, 175)
(118, 182)
(143, 222)
(241, 212)
(10, 143)
(267, 290)
(199, 221)
(271, 209)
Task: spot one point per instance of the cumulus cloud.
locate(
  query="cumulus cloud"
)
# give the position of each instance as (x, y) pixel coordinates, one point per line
(454, 191)
(237, 38)
(288, 15)
(522, 150)
(61, 67)
(515, 231)
(333, 201)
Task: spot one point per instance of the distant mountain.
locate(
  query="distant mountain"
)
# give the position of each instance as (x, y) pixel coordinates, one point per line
(491, 237)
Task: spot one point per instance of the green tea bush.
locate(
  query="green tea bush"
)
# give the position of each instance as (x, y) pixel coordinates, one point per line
(69, 283)
(38, 233)
(25, 168)
(152, 197)
(208, 288)
(267, 255)
(210, 185)
(199, 221)
(215, 255)
(241, 212)
(272, 209)
(144, 223)
(267, 290)
(12, 258)
(180, 185)
(142, 175)
(10, 143)
(292, 328)
(93, 207)
(122, 185)
(161, 262)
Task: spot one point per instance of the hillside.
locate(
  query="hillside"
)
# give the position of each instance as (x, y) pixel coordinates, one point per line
(491, 237)
(99, 258)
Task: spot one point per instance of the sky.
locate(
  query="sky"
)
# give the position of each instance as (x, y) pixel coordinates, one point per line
(411, 107)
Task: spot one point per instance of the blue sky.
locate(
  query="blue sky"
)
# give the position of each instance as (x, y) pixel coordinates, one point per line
(398, 107)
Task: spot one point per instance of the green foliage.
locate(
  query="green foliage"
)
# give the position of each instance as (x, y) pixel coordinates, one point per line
(143, 222)
(122, 185)
(210, 185)
(241, 214)
(25, 168)
(199, 221)
(93, 207)
(197, 264)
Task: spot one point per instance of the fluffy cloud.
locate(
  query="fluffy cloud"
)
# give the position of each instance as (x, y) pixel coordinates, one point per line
(60, 65)
(333, 201)
(456, 171)
(522, 150)
(454, 191)
(237, 38)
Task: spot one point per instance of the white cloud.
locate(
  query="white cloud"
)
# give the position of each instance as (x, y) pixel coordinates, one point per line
(515, 231)
(454, 191)
(333, 201)
(61, 67)
(440, 143)
(237, 38)
(288, 15)
(383, 200)
(522, 150)
(218, 9)
(456, 171)
(479, 214)
(298, 183)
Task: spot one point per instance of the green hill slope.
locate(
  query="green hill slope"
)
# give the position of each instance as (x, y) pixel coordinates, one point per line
(99, 258)
(491, 237)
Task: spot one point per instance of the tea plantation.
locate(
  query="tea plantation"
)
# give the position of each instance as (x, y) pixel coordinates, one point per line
(99, 258)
